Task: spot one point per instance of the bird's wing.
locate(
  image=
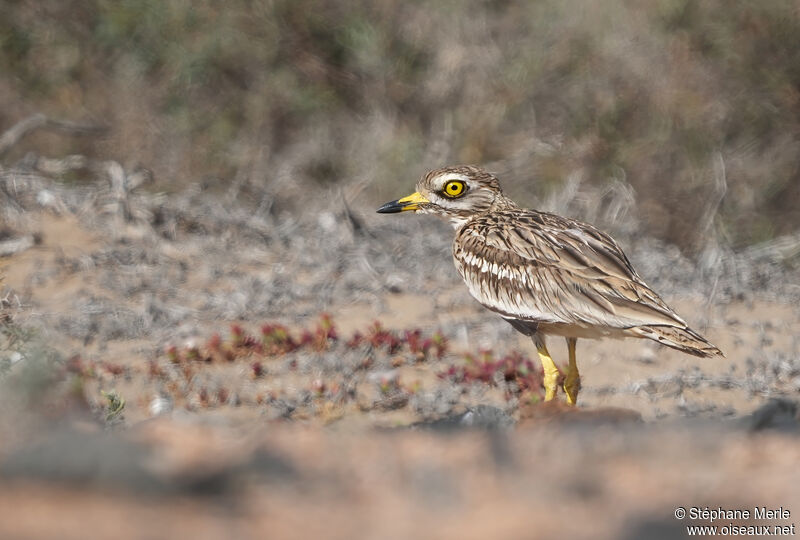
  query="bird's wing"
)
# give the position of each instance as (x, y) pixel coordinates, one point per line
(545, 268)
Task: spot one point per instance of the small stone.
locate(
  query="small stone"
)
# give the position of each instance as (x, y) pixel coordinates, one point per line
(647, 355)
(160, 405)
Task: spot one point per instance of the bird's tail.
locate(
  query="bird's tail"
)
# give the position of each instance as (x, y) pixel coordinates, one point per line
(683, 339)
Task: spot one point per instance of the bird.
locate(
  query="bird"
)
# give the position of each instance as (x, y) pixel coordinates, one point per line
(545, 274)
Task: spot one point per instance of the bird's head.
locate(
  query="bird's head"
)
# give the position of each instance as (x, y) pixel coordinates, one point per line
(454, 193)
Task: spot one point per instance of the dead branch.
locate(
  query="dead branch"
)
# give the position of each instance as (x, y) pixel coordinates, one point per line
(39, 121)
(59, 167)
(355, 222)
(122, 184)
(16, 245)
(716, 198)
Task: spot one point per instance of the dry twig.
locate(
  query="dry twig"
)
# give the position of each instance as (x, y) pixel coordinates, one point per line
(39, 121)
(16, 245)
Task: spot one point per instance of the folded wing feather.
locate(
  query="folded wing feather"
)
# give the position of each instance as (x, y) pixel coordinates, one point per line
(542, 267)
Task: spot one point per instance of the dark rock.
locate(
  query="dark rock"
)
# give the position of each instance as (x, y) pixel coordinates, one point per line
(780, 413)
(84, 459)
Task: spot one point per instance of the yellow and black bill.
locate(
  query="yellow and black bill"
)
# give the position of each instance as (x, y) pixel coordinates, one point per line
(405, 204)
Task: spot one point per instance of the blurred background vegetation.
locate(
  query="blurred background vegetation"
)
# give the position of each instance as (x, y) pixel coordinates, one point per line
(303, 96)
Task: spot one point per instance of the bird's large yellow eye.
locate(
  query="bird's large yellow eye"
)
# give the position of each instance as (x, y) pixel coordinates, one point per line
(454, 188)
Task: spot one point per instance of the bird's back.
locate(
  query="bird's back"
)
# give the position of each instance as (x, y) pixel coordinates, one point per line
(562, 275)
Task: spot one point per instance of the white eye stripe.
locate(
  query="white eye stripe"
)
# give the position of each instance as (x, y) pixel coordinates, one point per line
(450, 177)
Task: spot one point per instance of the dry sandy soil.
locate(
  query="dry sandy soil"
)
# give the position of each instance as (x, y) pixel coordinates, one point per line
(349, 438)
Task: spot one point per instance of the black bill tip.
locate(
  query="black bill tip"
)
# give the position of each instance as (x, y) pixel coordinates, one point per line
(392, 207)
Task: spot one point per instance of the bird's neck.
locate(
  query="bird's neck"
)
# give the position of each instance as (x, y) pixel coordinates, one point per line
(458, 221)
(501, 202)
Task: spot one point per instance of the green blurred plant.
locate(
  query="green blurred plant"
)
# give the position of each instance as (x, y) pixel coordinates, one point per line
(334, 91)
(36, 365)
(114, 407)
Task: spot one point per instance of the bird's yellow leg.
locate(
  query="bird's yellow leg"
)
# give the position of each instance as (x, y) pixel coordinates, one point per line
(551, 372)
(572, 381)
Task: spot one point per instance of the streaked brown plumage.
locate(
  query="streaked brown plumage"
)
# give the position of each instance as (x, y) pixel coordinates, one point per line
(544, 273)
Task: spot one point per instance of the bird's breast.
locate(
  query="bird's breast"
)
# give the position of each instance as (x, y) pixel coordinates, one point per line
(510, 289)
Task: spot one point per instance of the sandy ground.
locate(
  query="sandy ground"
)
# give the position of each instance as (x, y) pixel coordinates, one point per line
(167, 479)
(356, 440)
